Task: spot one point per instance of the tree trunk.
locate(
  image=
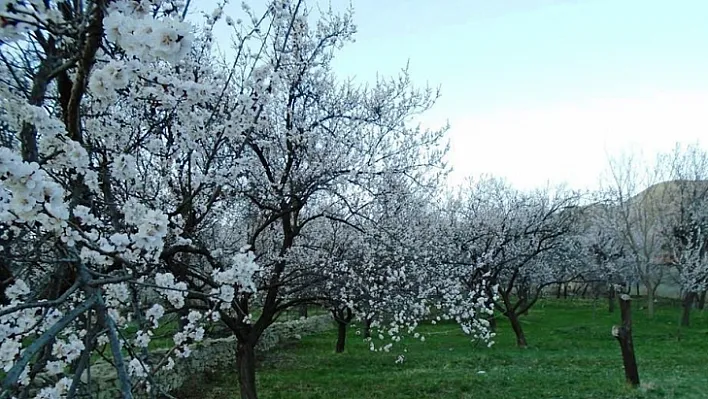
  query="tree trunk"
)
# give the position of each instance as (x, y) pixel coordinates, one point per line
(5, 274)
(687, 304)
(650, 302)
(623, 334)
(596, 291)
(342, 316)
(341, 336)
(525, 308)
(565, 291)
(611, 299)
(524, 295)
(302, 311)
(585, 291)
(246, 363)
(558, 290)
(518, 330)
(702, 300)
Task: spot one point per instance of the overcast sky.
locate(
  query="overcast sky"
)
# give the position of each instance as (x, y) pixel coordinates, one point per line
(541, 91)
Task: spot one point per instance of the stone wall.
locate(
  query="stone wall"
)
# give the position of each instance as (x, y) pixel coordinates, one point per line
(209, 355)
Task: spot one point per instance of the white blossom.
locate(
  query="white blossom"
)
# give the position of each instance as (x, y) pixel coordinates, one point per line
(17, 290)
(137, 368)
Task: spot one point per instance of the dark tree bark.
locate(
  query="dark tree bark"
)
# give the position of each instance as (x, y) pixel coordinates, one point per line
(302, 311)
(687, 304)
(702, 300)
(518, 330)
(524, 294)
(182, 317)
(565, 291)
(246, 363)
(513, 310)
(6, 279)
(611, 295)
(558, 290)
(585, 291)
(341, 336)
(596, 291)
(343, 316)
(623, 334)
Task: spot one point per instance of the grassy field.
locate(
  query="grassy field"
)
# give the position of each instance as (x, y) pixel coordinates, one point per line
(571, 355)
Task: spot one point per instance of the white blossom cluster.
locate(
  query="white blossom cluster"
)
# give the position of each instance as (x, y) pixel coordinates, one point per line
(238, 276)
(88, 192)
(145, 38)
(174, 291)
(397, 280)
(20, 17)
(17, 326)
(27, 194)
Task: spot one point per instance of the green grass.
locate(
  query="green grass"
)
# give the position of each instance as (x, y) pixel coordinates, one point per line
(571, 354)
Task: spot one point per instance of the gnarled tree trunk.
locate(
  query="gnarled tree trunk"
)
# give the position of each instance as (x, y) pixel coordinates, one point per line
(246, 364)
(688, 299)
(518, 330)
(702, 300)
(343, 316)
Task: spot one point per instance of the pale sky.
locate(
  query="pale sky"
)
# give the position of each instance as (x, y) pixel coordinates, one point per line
(541, 91)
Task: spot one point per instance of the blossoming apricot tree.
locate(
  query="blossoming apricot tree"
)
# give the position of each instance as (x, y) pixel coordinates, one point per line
(141, 176)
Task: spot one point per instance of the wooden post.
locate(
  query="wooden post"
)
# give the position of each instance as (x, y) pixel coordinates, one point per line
(623, 334)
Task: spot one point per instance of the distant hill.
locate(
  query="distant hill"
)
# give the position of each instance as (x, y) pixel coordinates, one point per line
(671, 193)
(646, 210)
